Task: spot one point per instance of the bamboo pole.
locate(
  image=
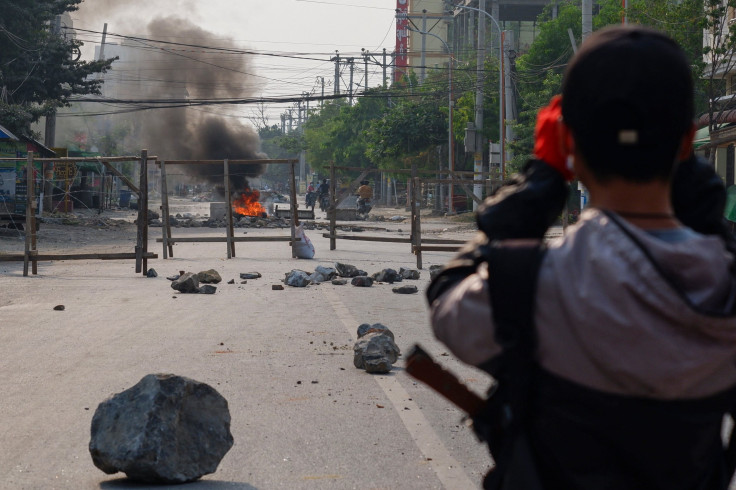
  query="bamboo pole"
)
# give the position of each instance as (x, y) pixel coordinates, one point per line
(29, 212)
(332, 210)
(139, 237)
(228, 211)
(292, 198)
(144, 190)
(166, 227)
(217, 239)
(418, 228)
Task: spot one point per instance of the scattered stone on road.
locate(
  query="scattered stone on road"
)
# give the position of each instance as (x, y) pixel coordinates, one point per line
(231, 281)
(365, 328)
(277, 287)
(207, 289)
(250, 275)
(209, 277)
(151, 272)
(339, 282)
(407, 273)
(59, 307)
(375, 351)
(186, 283)
(408, 289)
(387, 275)
(174, 277)
(434, 270)
(362, 281)
(297, 278)
(347, 270)
(323, 274)
(165, 429)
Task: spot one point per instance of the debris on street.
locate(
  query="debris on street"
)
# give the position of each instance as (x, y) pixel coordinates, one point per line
(165, 429)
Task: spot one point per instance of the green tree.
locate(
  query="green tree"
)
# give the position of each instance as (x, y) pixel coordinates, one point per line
(38, 71)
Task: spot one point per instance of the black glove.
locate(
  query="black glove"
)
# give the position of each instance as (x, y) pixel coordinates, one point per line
(526, 206)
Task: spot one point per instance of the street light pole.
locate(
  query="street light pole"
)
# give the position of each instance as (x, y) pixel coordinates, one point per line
(501, 138)
(449, 109)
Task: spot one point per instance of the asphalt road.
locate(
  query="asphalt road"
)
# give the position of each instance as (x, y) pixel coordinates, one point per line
(302, 416)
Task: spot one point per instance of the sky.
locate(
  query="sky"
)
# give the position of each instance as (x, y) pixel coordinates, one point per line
(290, 29)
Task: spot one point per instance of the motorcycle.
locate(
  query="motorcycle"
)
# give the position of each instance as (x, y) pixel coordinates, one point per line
(363, 207)
(324, 202)
(311, 200)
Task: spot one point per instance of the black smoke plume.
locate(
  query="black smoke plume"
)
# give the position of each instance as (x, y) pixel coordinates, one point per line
(199, 133)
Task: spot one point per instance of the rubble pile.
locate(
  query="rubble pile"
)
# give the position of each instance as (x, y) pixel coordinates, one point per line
(375, 351)
(166, 429)
(187, 220)
(188, 282)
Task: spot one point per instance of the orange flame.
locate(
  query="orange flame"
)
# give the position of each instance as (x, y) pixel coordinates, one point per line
(247, 204)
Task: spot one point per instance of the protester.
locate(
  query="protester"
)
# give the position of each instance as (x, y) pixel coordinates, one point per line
(625, 362)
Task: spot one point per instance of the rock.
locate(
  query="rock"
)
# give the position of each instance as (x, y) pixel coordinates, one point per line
(174, 277)
(362, 281)
(153, 215)
(59, 307)
(155, 223)
(195, 224)
(387, 275)
(397, 218)
(207, 289)
(277, 287)
(209, 277)
(231, 281)
(347, 270)
(434, 270)
(165, 429)
(151, 272)
(297, 279)
(322, 274)
(365, 328)
(409, 273)
(250, 275)
(375, 352)
(243, 282)
(405, 289)
(186, 283)
(339, 282)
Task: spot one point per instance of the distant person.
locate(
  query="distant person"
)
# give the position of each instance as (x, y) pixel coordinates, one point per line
(616, 354)
(323, 189)
(365, 191)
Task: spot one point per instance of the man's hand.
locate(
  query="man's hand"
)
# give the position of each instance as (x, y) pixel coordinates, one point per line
(547, 143)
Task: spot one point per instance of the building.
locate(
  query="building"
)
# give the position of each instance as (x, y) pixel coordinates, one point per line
(456, 29)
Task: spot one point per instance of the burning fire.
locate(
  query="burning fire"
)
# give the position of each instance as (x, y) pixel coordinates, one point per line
(247, 204)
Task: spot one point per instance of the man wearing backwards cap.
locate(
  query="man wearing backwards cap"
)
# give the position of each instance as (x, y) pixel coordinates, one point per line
(632, 338)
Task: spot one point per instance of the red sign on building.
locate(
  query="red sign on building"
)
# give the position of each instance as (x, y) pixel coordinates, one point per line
(402, 39)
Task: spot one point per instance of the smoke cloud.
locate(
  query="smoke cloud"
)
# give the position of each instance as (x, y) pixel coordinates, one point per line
(158, 71)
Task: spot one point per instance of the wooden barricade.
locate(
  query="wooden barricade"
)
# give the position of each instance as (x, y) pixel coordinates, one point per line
(418, 244)
(168, 240)
(31, 255)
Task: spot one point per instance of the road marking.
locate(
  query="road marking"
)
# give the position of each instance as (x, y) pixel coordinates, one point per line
(448, 469)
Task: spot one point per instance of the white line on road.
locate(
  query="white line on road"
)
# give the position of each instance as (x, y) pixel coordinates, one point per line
(447, 468)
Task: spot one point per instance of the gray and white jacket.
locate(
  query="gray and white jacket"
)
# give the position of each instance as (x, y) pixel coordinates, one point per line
(653, 319)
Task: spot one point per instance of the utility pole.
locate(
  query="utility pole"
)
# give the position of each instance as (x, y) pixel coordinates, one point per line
(322, 100)
(336, 59)
(423, 67)
(478, 152)
(291, 119)
(299, 114)
(352, 67)
(50, 130)
(587, 6)
(283, 123)
(365, 68)
(384, 68)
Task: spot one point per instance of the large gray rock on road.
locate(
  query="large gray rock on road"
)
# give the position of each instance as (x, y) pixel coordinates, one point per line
(209, 277)
(186, 283)
(375, 351)
(165, 429)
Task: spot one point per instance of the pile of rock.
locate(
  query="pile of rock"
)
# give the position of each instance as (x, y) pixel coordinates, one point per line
(341, 273)
(187, 220)
(375, 351)
(189, 282)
